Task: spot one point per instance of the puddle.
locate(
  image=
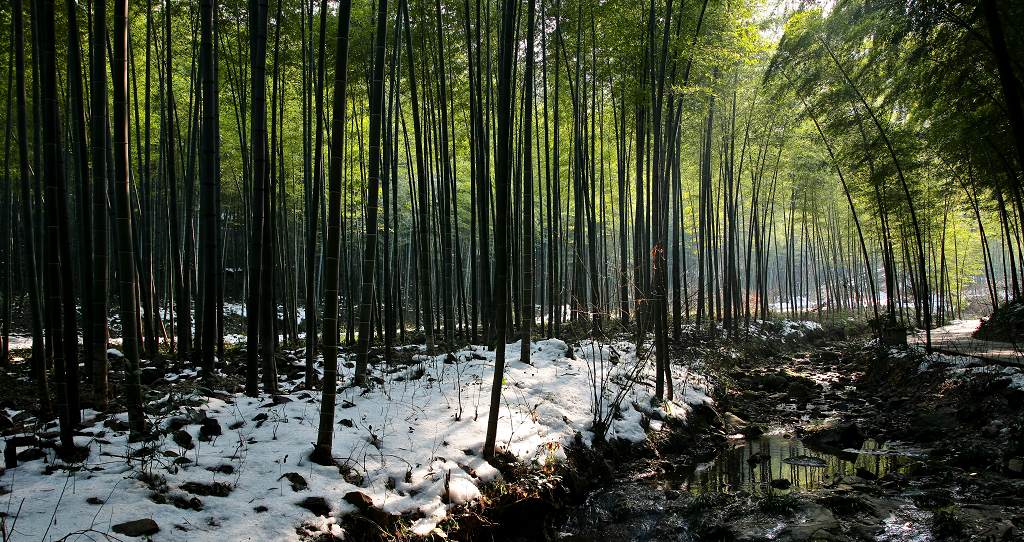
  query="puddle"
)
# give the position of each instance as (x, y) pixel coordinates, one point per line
(752, 465)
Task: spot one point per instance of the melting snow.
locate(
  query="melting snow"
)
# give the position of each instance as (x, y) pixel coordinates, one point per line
(412, 444)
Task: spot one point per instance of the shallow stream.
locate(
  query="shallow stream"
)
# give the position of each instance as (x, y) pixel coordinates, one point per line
(781, 463)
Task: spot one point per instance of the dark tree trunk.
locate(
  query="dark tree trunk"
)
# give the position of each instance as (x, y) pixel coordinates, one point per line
(126, 248)
(332, 250)
(369, 262)
(503, 182)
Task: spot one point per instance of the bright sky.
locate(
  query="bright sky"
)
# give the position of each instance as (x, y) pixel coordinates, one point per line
(778, 10)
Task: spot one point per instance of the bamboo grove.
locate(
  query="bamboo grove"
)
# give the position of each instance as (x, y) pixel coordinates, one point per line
(354, 176)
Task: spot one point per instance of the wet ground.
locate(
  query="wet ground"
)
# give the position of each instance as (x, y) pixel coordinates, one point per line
(806, 451)
(782, 464)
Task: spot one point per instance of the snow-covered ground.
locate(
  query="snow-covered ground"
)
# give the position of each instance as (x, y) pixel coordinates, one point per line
(964, 367)
(411, 444)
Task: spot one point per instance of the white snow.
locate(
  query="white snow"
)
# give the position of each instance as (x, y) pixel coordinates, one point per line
(412, 444)
(962, 367)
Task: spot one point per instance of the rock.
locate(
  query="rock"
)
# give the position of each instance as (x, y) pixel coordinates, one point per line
(317, 505)
(223, 468)
(798, 392)
(185, 502)
(933, 424)
(216, 489)
(183, 438)
(259, 509)
(115, 424)
(31, 454)
(360, 500)
(805, 461)
(1015, 466)
(752, 431)
(837, 438)
(177, 422)
(296, 480)
(733, 422)
(866, 474)
(931, 498)
(209, 428)
(781, 483)
(828, 355)
(817, 524)
(771, 382)
(150, 375)
(138, 527)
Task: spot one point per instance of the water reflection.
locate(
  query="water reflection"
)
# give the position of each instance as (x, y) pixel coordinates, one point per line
(753, 465)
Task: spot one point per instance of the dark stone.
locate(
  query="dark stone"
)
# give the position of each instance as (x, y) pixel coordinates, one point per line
(866, 474)
(317, 505)
(177, 422)
(771, 382)
(209, 428)
(296, 480)
(360, 500)
(894, 336)
(185, 503)
(798, 392)
(183, 438)
(150, 375)
(138, 527)
(838, 438)
(752, 431)
(931, 498)
(933, 424)
(216, 489)
(31, 454)
(115, 424)
(260, 509)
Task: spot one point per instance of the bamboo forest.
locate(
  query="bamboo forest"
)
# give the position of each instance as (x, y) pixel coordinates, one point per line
(512, 270)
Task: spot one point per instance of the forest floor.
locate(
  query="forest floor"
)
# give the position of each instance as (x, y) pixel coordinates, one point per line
(834, 439)
(788, 432)
(223, 466)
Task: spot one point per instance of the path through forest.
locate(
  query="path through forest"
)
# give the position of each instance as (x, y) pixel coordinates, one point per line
(957, 338)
